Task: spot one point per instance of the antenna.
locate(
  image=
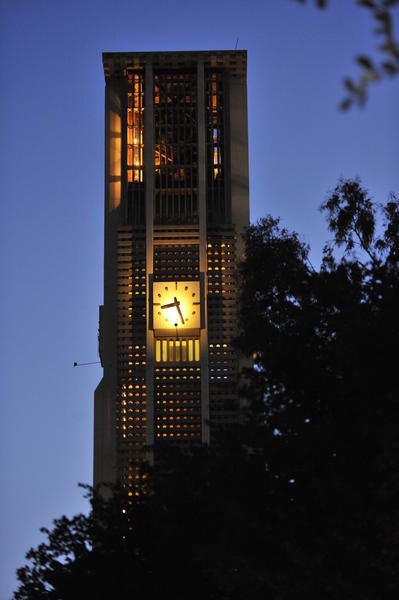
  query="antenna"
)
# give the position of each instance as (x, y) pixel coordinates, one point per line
(76, 364)
(235, 47)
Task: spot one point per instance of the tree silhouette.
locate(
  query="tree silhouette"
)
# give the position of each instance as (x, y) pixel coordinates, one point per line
(382, 12)
(302, 499)
(325, 345)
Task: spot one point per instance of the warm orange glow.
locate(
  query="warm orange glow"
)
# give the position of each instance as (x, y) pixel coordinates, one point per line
(190, 350)
(158, 351)
(115, 157)
(176, 350)
(115, 193)
(176, 305)
(161, 158)
(135, 130)
(115, 144)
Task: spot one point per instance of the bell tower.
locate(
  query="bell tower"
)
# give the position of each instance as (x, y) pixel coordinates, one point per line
(176, 203)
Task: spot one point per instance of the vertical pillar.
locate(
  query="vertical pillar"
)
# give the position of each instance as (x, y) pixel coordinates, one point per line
(203, 247)
(238, 131)
(149, 220)
(106, 394)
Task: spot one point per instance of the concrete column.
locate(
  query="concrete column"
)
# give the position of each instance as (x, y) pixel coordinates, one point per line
(203, 244)
(105, 458)
(239, 154)
(149, 219)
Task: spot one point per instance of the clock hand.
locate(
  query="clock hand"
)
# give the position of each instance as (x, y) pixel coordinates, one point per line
(180, 313)
(175, 303)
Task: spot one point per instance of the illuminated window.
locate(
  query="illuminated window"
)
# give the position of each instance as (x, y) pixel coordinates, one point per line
(179, 261)
(135, 147)
(175, 149)
(177, 402)
(216, 205)
(177, 350)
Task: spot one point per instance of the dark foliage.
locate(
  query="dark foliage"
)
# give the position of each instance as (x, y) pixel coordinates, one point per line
(325, 345)
(382, 13)
(301, 501)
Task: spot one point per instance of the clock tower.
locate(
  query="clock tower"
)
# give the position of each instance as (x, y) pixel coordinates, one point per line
(176, 203)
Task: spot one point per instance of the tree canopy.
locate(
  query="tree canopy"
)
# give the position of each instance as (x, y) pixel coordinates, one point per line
(301, 500)
(325, 344)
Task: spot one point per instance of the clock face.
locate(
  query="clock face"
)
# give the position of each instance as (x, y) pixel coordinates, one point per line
(176, 305)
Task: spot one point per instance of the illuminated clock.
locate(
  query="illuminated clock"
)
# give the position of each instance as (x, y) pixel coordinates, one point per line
(176, 304)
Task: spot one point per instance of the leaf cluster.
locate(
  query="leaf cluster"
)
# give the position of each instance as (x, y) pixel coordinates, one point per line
(324, 345)
(382, 14)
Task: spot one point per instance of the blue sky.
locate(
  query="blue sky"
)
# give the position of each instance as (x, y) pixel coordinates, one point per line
(51, 226)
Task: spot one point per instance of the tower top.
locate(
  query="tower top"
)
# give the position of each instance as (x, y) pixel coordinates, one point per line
(118, 64)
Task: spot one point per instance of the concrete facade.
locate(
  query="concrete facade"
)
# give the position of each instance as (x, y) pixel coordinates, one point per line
(176, 203)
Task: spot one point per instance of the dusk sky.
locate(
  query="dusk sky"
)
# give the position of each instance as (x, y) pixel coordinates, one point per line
(51, 226)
